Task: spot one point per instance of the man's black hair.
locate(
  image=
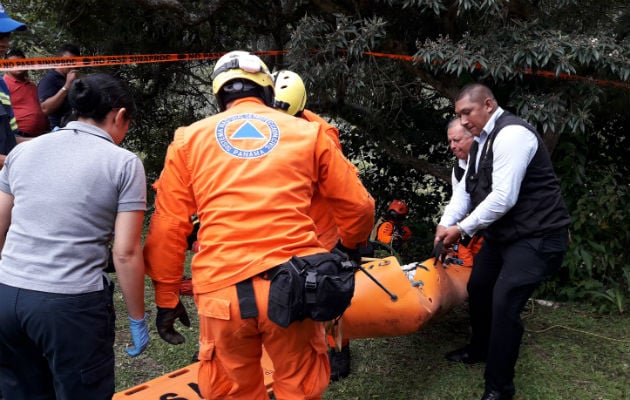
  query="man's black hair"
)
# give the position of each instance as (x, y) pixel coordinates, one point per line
(15, 53)
(69, 48)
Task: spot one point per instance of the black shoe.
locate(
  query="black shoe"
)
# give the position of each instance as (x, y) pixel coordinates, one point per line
(496, 395)
(339, 363)
(195, 356)
(464, 355)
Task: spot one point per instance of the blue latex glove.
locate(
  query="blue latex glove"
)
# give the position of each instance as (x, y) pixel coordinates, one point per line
(139, 335)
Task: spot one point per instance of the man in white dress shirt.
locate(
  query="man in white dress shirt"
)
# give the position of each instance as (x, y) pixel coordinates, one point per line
(511, 196)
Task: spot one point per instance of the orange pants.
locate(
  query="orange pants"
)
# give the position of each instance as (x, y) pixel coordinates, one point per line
(231, 348)
(468, 253)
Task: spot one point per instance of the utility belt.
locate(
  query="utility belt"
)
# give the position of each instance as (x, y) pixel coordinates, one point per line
(319, 287)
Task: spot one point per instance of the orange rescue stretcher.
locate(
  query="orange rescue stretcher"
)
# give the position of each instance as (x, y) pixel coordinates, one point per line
(418, 293)
(181, 384)
(389, 300)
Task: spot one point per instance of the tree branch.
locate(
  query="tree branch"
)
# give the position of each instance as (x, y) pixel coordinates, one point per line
(191, 18)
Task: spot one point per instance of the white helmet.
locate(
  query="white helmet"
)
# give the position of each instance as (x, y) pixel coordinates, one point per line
(239, 72)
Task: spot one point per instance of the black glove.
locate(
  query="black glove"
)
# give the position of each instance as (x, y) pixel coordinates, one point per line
(192, 238)
(351, 254)
(166, 318)
(438, 252)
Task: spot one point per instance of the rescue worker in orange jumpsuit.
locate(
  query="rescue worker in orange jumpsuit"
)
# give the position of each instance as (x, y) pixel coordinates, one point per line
(459, 141)
(392, 231)
(249, 174)
(290, 97)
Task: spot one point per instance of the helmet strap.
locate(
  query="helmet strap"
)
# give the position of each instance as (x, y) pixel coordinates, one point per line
(229, 93)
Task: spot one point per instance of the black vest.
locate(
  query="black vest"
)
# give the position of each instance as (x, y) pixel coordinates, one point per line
(458, 171)
(539, 208)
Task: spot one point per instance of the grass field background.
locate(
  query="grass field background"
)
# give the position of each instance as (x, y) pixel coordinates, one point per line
(567, 353)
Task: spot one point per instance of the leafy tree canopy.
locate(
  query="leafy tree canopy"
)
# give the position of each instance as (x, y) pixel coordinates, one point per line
(386, 71)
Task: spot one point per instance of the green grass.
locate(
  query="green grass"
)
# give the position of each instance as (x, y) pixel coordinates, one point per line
(159, 357)
(567, 353)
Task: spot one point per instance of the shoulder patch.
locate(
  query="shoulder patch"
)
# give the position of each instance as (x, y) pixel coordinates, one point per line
(247, 135)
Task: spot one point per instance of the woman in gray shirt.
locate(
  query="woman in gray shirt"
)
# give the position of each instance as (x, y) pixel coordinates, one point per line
(62, 195)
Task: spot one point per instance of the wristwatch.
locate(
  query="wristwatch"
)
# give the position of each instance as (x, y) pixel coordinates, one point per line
(464, 237)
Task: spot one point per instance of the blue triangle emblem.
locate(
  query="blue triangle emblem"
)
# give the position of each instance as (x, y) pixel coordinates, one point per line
(247, 131)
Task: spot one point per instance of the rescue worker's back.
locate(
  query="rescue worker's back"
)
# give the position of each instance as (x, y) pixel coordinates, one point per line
(252, 187)
(249, 173)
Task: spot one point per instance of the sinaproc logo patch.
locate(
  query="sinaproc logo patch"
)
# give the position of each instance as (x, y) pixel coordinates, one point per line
(247, 135)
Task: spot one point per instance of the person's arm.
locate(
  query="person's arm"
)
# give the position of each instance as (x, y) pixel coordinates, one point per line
(165, 245)
(513, 149)
(128, 260)
(6, 205)
(54, 102)
(354, 206)
(407, 233)
(458, 206)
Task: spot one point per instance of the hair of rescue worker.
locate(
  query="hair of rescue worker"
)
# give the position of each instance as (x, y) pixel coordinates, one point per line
(95, 95)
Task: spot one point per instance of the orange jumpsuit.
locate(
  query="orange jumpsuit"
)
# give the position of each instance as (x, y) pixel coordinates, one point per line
(393, 234)
(320, 209)
(249, 174)
(467, 253)
(327, 231)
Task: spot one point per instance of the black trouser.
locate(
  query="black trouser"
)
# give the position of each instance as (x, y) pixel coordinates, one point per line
(503, 278)
(56, 346)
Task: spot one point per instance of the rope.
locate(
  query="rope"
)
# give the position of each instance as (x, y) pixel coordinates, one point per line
(533, 302)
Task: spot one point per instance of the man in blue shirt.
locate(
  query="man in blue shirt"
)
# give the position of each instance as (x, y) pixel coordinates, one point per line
(53, 88)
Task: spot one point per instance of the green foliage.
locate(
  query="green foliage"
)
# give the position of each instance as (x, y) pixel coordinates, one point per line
(597, 194)
(562, 65)
(523, 49)
(615, 297)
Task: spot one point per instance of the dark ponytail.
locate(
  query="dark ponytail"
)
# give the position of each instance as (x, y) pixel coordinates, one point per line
(95, 95)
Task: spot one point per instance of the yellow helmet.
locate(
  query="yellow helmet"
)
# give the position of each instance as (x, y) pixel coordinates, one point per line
(290, 92)
(241, 66)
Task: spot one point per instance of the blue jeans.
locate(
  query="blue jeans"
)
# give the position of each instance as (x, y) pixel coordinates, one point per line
(56, 346)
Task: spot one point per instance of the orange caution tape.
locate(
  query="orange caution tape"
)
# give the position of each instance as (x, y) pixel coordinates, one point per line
(569, 77)
(528, 71)
(401, 57)
(99, 61)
